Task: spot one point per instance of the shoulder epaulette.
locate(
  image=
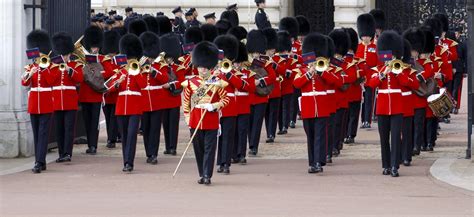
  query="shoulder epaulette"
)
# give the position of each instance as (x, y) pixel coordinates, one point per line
(427, 61)
(452, 42)
(180, 67)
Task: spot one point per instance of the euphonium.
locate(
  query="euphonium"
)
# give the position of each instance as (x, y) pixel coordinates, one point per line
(79, 50)
(225, 65)
(43, 61)
(321, 64)
(397, 66)
(133, 67)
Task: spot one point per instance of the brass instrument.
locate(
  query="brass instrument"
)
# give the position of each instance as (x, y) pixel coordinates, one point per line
(80, 51)
(321, 64)
(28, 74)
(62, 67)
(397, 66)
(145, 65)
(160, 58)
(43, 61)
(133, 67)
(225, 66)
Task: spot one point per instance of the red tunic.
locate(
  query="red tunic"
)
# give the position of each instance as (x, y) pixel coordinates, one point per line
(129, 101)
(153, 92)
(86, 93)
(269, 79)
(428, 72)
(40, 96)
(354, 93)
(452, 48)
(369, 54)
(242, 95)
(287, 83)
(111, 97)
(234, 84)
(407, 92)
(169, 100)
(65, 95)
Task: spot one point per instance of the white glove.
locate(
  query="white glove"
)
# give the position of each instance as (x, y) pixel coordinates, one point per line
(209, 107)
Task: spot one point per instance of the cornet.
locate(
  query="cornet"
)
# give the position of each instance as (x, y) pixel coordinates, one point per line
(225, 66)
(321, 64)
(43, 61)
(397, 66)
(133, 67)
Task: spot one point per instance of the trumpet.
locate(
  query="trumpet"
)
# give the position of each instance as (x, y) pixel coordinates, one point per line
(133, 67)
(43, 61)
(397, 66)
(321, 64)
(225, 66)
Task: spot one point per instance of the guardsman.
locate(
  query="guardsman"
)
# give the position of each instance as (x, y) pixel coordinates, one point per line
(129, 102)
(230, 46)
(204, 96)
(192, 36)
(283, 52)
(65, 76)
(408, 108)
(445, 41)
(171, 101)
(313, 101)
(155, 75)
(279, 66)
(232, 16)
(389, 80)
(292, 26)
(332, 103)
(264, 78)
(90, 92)
(346, 71)
(261, 18)
(367, 50)
(379, 17)
(210, 18)
(40, 97)
(178, 25)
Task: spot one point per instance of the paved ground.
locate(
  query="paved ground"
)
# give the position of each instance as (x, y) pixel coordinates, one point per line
(273, 184)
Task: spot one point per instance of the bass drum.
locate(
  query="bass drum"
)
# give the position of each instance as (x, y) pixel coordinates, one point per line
(441, 104)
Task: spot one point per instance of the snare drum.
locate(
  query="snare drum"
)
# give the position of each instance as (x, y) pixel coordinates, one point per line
(441, 104)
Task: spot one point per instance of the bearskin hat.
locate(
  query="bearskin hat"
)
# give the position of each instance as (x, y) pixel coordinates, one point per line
(391, 40)
(272, 39)
(256, 42)
(435, 25)
(366, 25)
(193, 34)
(151, 44)
(331, 46)
(406, 51)
(205, 54)
(231, 16)
(289, 24)
(209, 32)
(131, 46)
(39, 39)
(111, 42)
(93, 37)
(416, 37)
(137, 27)
(284, 41)
(430, 43)
(223, 26)
(151, 23)
(444, 21)
(353, 37)
(341, 40)
(303, 25)
(62, 43)
(317, 43)
(171, 46)
(164, 25)
(243, 55)
(239, 32)
(229, 44)
(379, 17)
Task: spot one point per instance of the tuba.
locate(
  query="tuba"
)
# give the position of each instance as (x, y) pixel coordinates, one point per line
(397, 66)
(80, 51)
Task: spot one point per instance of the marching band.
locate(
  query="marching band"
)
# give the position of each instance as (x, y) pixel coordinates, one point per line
(229, 82)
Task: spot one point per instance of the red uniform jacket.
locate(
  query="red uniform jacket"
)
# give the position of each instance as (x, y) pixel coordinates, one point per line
(452, 48)
(369, 54)
(153, 92)
(407, 92)
(65, 95)
(242, 95)
(347, 74)
(292, 70)
(129, 101)
(219, 100)
(313, 102)
(354, 93)
(86, 93)
(296, 48)
(169, 100)
(269, 80)
(234, 84)
(280, 67)
(389, 95)
(428, 72)
(111, 97)
(40, 96)
(441, 56)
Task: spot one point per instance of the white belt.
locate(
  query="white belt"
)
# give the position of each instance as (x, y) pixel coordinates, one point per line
(130, 93)
(40, 89)
(407, 93)
(64, 88)
(330, 91)
(314, 93)
(237, 93)
(189, 76)
(200, 106)
(153, 87)
(389, 91)
(231, 94)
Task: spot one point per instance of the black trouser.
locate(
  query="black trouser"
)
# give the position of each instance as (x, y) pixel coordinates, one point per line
(390, 127)
(65, 125)
(171, 127)
(257, 112)
(331, 134)
(431, 129)
(151, 122)
(129, 127)
(295, 108)
(340, 129)
(353, 120)
(407, 138)
(110, 122)
(457, 84)
(271, 116)
(40, 127)
(204, 144)
(315, 129)
(285, 108)
(90, 114)
(241, 135)
(368, 105)
(419, 128)
(226, 141)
